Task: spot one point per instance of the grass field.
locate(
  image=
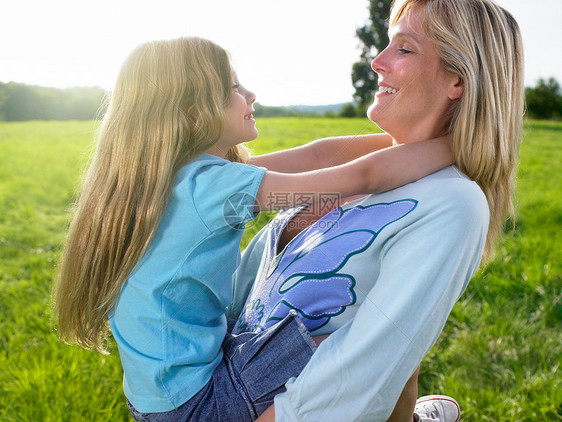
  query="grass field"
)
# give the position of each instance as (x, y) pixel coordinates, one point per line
(499, 355)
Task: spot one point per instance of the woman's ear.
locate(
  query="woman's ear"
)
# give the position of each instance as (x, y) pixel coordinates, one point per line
(456, 90)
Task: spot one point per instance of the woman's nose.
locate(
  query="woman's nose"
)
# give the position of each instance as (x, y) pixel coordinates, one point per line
(377, 64)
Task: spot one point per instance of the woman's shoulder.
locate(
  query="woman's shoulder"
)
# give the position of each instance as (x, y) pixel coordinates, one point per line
(448, 174)
(444, 195)
(450, 180)
(452, 190)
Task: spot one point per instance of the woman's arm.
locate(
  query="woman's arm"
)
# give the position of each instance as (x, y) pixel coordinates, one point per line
(322, 153)
(376, 172)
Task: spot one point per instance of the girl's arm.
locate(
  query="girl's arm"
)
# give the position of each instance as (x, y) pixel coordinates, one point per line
(322, 153)
(376, 172)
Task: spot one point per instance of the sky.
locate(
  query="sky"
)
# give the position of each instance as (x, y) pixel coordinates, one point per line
(288, 52)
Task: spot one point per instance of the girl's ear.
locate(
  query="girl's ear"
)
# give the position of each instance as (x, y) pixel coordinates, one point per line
(456, 90)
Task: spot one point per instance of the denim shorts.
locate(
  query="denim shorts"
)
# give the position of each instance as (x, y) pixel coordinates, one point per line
(254, 369)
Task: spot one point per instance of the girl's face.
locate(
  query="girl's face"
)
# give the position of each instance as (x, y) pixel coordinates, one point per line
(415, 92)
(240, 125)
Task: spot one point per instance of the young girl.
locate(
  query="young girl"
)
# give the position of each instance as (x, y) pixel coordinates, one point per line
(156, 234)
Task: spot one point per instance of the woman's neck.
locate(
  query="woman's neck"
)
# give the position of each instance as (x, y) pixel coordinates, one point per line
(406, 135)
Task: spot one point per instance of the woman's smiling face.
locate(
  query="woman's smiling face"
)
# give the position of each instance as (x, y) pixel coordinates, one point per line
(415, 91)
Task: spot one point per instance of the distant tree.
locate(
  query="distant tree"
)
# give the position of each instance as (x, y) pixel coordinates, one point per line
(272, 111)
(545, 100)
(2, 100)
(374, 38)
(348, 110)
(83, 103)
(20, 102)
(24, 102)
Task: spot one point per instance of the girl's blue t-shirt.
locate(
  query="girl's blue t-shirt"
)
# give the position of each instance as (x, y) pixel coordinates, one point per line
(169, 319)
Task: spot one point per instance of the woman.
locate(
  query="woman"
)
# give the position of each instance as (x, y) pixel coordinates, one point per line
(384, 272)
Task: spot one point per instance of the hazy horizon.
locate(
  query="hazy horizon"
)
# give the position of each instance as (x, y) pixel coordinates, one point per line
(290, 53)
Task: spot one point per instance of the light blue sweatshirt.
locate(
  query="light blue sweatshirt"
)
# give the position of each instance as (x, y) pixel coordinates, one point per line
(382, 273)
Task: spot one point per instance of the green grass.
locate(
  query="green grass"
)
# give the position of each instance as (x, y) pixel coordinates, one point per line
(501, 350)
(499, 354)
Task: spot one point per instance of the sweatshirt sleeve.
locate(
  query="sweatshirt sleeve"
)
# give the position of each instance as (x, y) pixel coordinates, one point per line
(224, 193)
(245, 276)
(358, 373)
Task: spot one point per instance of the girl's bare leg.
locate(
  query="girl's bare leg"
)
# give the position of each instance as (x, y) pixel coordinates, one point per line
(404, 409)
(320, 339)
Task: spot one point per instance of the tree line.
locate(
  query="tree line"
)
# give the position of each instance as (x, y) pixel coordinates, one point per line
(22, 102)
(19, 102)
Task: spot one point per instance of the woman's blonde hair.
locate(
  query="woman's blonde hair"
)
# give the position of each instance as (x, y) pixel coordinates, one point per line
(168, 106)
(481, 43)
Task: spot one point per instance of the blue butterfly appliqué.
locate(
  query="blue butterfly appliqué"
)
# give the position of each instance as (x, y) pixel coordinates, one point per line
(305, 276)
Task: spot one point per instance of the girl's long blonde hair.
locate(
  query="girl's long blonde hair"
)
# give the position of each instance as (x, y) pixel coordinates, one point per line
(481, 43)
(168, 106)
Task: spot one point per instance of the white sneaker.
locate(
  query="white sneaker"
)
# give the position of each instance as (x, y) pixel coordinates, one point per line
(437, 409)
